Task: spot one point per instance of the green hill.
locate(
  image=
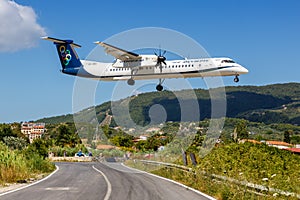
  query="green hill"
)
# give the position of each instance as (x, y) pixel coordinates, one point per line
(277, 103)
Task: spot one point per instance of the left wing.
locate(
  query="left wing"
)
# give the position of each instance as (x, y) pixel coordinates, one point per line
(119, 53)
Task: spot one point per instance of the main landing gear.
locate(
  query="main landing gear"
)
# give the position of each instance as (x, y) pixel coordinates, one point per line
(236, 79)
(159, 87)
(130, 82)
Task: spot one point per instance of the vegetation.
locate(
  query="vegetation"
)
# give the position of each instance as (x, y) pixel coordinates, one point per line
(247, 102)
(19, 165)
(20, 160)
(254, 163)
(248, 116)
(64, 140)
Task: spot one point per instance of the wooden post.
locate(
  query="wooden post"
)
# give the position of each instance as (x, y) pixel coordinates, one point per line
(184, 157)
(193, 158)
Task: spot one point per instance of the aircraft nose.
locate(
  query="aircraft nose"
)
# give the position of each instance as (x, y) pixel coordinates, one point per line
(243, 70)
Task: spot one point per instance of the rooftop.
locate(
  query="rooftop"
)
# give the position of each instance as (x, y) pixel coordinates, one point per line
(278, 143)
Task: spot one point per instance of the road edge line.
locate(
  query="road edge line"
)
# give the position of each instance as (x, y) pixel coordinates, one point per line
(109, 189)
(29, 185)
(172, 181)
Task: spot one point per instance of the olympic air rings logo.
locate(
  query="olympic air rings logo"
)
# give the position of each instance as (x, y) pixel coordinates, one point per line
(65, 55)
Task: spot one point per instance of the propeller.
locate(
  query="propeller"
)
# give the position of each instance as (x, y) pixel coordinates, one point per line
(161, 58)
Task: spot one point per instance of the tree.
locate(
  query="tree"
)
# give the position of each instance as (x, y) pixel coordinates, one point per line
(6, 131)
(295, 139)
(38, 146)
(15, 142)
(64, 136)
(241, 129)
(141, 145)
(153, 143)
(287, 137)
(122, 141)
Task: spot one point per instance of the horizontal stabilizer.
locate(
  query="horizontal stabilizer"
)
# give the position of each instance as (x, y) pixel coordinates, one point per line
(59, 41)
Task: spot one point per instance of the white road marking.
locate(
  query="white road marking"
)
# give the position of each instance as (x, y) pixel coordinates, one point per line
(57, 188)
(26, 186)
(108, 192)
(172, 181)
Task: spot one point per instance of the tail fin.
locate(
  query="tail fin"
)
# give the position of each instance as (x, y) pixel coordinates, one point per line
(67, 55)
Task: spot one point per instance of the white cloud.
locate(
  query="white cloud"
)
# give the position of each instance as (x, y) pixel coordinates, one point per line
(18, 27)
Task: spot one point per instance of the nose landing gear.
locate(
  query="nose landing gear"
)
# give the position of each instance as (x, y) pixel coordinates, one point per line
(236, 79)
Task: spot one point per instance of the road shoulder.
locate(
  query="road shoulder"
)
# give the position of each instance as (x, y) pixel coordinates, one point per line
(13, 187)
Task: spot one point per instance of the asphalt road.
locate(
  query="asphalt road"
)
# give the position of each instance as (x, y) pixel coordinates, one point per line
(111, 181)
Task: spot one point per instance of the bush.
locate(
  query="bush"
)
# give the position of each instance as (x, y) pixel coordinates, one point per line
(68, 151)
(15, 142)
(20, 165)
(253, 163)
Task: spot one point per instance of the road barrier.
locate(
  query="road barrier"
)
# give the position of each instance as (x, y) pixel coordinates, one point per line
(70, 159)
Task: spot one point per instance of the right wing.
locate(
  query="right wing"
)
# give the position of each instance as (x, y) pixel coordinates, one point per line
(119, 53)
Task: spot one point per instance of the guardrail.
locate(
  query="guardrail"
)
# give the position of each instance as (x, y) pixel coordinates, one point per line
(253, 186)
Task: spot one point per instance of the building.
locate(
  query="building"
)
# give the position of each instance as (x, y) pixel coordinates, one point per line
(141, 138)
(242, 141)
(279, 144)
(293, 150)
(33, 130)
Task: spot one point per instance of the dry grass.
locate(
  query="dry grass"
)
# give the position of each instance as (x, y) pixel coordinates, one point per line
(14, 166)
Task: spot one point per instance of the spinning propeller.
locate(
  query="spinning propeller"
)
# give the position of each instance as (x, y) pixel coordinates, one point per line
(161, 58)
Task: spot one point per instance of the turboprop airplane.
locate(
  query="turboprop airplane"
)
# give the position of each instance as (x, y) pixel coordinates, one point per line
(130, 66)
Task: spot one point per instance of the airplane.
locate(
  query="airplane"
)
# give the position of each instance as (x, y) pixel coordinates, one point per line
(129, 66)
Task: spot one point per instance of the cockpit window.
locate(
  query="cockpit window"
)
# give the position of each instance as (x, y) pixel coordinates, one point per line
(227, 61)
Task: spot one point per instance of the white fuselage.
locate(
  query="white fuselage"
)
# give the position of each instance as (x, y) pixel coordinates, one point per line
(146, 68)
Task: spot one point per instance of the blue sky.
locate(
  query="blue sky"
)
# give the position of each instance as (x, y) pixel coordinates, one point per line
(264, 36)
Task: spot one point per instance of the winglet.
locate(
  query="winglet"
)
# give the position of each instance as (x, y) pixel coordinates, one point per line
(98, 42)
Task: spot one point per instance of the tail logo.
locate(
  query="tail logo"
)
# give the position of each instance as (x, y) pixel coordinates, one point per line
(65, 55)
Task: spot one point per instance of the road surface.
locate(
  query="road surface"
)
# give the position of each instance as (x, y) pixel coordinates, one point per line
(112, 181)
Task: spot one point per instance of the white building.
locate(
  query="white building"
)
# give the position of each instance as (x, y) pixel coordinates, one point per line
(33, 130)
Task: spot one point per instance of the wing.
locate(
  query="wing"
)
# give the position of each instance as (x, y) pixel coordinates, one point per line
(119, 53)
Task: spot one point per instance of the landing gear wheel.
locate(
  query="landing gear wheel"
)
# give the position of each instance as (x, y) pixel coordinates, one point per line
(236, 79)
(130, 81)
(159, 87)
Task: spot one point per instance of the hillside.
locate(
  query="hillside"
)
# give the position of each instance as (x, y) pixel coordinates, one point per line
(277, 103)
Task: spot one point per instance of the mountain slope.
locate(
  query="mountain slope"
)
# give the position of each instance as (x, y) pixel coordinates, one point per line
(277, 103)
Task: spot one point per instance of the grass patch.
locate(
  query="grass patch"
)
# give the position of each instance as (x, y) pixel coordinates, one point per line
(18, 165)
(259, 164)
